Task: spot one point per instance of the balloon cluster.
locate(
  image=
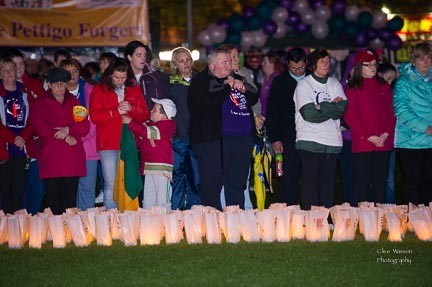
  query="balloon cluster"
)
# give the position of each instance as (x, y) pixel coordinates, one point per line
(272, 18)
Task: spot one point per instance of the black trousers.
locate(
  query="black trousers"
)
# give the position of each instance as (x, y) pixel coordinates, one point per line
(224, 163)
(13, 180)
(370, 171)
(61, 193)
(318, 178)
(291, 166)
(417, 175)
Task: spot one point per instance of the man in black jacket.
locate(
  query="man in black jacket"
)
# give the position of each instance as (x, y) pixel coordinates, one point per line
(220, 130)
(280, 122)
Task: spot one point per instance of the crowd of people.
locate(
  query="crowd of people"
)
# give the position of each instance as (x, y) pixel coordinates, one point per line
(194, 131)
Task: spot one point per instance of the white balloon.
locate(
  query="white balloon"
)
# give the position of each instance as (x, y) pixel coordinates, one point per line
(260, 38)
(351, 12)
(280, 14)
(308, 16)
(204, 38)
(323, 12)
(281, 31)
(300, 6)
(376, 43)
(320, 29)
(379, 19)
(247, 40)
(217, 34)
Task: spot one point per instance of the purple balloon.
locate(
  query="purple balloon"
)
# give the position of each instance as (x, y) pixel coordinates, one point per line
(384, 34)
(395, 43)
(287, 4)
(360, 39)
(371, 33)
(270, 27)
(224, 23)
(316, 3)
(293, 18)
(301, 28)
(248, 11)
(338, 7)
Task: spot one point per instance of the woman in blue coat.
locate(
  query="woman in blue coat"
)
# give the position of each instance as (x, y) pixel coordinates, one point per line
(413, 134)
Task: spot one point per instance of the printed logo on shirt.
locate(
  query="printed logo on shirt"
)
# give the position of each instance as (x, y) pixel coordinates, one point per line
(322, 96)
(238, 98)
(16, 111)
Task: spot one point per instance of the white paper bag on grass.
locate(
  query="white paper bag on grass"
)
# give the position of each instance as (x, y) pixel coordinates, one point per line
(394, 225)
(103, 234)
(232, 227)
(267, 223)
(192, 226)
(77, 230)
(3, 229)
(249, 226)
(172, 230)
(317, 227)
(344, 224)
(298, 224)
(127, 224)
(57, 231)
(213, 233)
(15, 238)
(151, 229)
(422, 223)
(371, 223)
(36, 230)
(283, 224)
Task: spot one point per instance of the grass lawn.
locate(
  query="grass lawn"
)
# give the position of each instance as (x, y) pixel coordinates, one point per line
(295, 263)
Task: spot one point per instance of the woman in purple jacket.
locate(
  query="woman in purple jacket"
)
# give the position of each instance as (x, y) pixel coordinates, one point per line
(61, 153)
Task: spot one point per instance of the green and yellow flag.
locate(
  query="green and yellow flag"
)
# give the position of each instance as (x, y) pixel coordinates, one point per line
(128, 183)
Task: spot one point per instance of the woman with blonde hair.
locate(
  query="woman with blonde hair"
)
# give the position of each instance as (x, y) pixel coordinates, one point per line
(186, 191)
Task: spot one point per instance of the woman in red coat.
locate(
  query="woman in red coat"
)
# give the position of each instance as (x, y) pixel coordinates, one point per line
(117, 95)
(371, 119)
(61, 151)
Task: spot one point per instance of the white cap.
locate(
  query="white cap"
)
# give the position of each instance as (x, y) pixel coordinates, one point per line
(168, 106)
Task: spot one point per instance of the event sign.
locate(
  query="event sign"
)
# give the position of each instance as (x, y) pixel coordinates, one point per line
(73, 23)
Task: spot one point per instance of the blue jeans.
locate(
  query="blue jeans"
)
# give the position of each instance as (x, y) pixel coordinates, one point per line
(109, 160)
(186, 189)
(34, 192)
(87, 186)
(390, 195)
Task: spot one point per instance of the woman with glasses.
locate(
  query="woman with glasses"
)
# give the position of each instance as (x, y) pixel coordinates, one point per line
(413, 133)
(320, 102)
(61, 152)
(371, 120)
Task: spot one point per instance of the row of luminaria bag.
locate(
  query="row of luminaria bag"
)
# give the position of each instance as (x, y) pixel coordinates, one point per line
(279, 223)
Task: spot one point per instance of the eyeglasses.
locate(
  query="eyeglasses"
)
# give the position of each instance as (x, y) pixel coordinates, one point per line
(300, 69)
(58, 85)
(370, 65)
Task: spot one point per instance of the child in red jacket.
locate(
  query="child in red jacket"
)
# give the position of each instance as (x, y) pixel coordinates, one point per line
(155, 144)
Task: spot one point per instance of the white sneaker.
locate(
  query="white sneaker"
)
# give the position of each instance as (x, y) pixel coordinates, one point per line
(99, 198)
(331, 226)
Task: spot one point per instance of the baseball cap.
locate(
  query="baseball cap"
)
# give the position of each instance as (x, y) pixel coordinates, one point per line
(168, 106)
(364, 56)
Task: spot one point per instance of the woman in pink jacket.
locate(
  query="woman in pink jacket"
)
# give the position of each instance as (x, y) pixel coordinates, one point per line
(61, 151)
(371, 119)
(117, 95)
